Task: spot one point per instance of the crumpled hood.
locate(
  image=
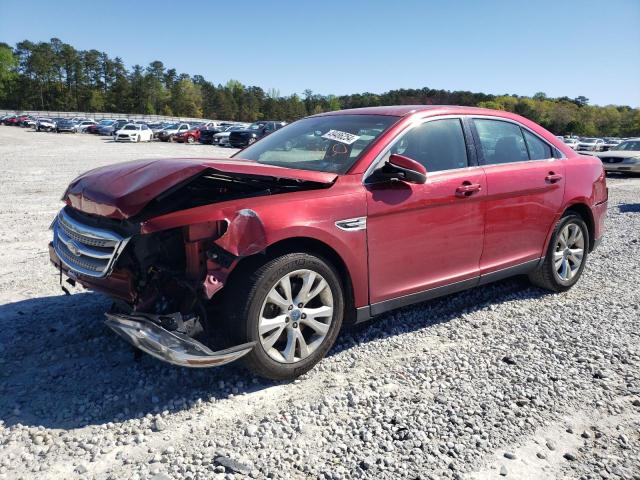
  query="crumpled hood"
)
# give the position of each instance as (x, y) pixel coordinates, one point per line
(122, 190)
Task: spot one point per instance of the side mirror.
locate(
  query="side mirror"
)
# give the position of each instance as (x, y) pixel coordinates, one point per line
(405, 168)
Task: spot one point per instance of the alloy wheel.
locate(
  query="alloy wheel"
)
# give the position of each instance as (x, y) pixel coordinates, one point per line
(295, 316)
(569, 252)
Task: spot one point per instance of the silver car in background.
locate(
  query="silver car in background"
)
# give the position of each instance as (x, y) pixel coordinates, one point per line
(590, 144)
(623, 158)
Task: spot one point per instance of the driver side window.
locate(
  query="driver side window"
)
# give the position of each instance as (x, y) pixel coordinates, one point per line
(438, 145)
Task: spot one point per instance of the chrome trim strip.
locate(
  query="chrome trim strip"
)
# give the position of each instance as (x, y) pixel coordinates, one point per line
(171, 347)
(352, 224)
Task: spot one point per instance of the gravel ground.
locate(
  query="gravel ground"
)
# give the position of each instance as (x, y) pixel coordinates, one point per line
(501, 381)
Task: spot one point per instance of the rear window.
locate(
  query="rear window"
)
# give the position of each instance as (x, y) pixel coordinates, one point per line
(501, 142)
(538, 150)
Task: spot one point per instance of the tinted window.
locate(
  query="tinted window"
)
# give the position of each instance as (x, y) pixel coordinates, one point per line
(538, 150)
(438, 145)
(501, 142)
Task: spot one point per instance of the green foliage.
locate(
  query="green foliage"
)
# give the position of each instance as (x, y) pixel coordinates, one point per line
(55, 76)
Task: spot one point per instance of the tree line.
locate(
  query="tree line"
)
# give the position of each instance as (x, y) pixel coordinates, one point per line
(55, 76)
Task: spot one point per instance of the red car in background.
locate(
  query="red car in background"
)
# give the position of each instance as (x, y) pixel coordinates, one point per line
(190, 136)
(12, 121)
(333, 219)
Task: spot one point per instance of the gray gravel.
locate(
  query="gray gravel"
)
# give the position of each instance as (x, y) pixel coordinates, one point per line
(501, 381)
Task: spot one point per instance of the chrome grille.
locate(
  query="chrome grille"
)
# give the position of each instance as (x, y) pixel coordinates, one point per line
(85, 249)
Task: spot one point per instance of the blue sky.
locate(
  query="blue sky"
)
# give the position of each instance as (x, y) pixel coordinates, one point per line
(559, 47)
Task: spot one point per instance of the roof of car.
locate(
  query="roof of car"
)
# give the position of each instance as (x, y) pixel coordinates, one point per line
(404, 110)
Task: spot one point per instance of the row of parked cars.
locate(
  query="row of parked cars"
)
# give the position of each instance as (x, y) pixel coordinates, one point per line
(233, 134)
(591, 144)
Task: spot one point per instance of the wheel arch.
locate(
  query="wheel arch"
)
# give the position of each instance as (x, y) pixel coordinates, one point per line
(583, 210)
(304, 245)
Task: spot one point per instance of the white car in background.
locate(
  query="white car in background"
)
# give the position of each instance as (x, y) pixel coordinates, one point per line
(572, 143)
(134, 133)
(590, 144)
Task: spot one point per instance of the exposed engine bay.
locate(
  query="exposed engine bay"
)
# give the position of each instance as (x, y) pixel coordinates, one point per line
(164, 281)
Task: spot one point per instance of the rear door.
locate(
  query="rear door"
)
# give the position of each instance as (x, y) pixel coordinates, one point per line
(421, 237)
(525, 190)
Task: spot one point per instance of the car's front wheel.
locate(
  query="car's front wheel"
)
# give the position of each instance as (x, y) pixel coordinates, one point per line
(292, 307)
(566, 255)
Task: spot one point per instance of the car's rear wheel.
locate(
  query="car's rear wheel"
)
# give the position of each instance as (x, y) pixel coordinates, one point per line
(566, 255)
(292, 307)
(190, 139)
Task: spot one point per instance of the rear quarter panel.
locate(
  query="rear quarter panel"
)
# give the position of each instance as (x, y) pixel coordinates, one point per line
(586, 184)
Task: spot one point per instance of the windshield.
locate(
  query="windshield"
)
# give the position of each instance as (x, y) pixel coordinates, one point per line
(256, 126)
(173, 126)
(130, 127)
(331, 143)
(106, 122)
(632, 146)
(589, 140)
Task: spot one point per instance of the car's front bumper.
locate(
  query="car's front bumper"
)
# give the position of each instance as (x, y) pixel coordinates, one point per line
(125, 138)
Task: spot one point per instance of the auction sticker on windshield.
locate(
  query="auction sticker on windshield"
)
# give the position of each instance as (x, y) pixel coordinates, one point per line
(342, 137)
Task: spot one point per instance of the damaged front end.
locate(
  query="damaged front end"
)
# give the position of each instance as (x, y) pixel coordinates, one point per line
(164, 281)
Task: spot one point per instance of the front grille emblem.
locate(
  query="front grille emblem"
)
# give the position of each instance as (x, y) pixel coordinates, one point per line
(73, 248)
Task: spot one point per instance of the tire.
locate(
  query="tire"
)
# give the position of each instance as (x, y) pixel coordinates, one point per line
(247, 303)
(138, 139)
(251, 141)
(190, 140)
(549, 274)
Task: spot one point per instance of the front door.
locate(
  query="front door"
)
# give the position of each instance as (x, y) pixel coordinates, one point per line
(421, 237)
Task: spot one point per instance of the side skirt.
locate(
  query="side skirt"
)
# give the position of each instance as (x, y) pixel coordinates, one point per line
(369, 311)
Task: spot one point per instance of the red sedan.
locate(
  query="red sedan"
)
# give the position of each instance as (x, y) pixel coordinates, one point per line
(333, 219)
(190, 136)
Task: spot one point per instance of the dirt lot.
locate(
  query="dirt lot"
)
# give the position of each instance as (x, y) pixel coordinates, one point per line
(502, 381)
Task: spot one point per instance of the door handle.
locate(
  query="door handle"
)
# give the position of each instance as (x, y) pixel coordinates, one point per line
(553, 177)
(467, 189)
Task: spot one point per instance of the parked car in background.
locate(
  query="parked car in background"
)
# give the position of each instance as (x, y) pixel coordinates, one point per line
(222, 139)
(623, 158)
(609, 143)
(133, 132)
(168, 133)
(67, 125)
(85, 124)
(156, 127)
(11, 120)
(29, 122)
(190, 136)
(45, 125)
(253, 133)
(185, 243)
(119, 124)
(572, 143)
(590, 144)
(206, 134)
(105, 127)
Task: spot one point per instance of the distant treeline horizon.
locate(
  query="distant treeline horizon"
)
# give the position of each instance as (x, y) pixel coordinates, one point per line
(56, 76)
